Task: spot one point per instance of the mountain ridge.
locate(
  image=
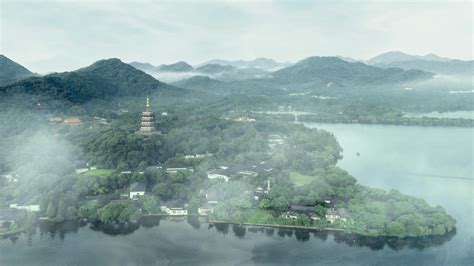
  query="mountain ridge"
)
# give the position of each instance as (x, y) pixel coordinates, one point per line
(11, 71)
(103, 79)
(325, 70)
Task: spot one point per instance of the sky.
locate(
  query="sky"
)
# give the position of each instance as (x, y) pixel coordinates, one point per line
(63, 35)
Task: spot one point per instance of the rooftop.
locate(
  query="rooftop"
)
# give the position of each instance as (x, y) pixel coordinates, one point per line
(138, 186)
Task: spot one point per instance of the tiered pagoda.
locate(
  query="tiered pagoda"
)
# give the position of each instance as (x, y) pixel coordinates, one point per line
(147, 122)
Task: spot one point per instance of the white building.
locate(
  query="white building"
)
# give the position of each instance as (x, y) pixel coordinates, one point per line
(137, 189)
(174, 209)
(205, 211)
(26, 202)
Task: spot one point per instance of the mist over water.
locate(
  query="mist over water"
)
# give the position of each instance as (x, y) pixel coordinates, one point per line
(425, 162)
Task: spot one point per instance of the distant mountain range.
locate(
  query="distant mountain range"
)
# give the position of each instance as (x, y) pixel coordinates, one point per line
(200, 83)
(224, 72)
(262, 63)
(101, 80)
(214, 68)
(396, 56)
(333, 70)
(430, 63)
(111, 77)
(11, 71)
(176, 67)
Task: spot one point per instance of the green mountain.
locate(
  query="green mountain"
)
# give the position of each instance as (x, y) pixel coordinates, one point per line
(325, 70)
(11, 71)
(176, 67)
(103, 79)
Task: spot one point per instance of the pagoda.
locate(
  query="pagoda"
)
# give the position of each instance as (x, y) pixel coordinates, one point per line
(147, 122)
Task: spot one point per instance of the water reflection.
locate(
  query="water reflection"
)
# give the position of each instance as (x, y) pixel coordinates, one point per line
(61, 230)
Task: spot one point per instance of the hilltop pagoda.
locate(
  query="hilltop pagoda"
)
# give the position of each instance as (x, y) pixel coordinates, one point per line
(147, 122)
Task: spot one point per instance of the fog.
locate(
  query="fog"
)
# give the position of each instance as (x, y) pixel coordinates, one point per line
(169, 77)
(445, 82)
(38, 160)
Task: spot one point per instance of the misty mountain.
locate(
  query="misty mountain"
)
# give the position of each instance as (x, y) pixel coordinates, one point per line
(263, 63)
(200, 83)
(396, 56)
(103, 79)
(11, 71)
(176, 67)
(429, 63)
(348, 59)
(214, 68)
(324, 70)
(143, 66)
(452, 67)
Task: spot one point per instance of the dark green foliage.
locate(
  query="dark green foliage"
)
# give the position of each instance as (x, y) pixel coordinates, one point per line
(103, 79)
(11, 71)
(117, 212)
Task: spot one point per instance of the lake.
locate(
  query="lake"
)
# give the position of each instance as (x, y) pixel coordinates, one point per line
(430, 162)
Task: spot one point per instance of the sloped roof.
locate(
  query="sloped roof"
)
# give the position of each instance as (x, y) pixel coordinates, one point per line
(138, 187)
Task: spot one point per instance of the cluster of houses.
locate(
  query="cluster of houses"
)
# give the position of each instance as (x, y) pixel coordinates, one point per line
(170, 170)
(275, 140)
(244, 119)
(332, 214)
(71, 121)
(243, 170)
(171, 208)
(197, 156)
(28, 202)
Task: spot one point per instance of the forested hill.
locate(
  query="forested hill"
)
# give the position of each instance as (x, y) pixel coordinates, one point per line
(325, 70)
(103, 79)
(11, 71)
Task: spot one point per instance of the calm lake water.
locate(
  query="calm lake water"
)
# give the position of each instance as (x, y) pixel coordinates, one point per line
(433, 163)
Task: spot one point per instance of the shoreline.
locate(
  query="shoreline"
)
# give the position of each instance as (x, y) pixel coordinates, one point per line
(279, 226)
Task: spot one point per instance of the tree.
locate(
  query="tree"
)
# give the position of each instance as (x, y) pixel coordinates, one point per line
(149, 204)
(320, 210)
(264, 204)
(279, 204)
(51, 211)
(303, 219)
(71, 213)
(163, 190)
(396, 229)
(194, 205)
(62, 208)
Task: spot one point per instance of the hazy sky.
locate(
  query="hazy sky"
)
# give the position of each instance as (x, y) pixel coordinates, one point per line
(65, 35)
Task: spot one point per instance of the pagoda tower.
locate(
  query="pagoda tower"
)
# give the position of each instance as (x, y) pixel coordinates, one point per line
(147, 122)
